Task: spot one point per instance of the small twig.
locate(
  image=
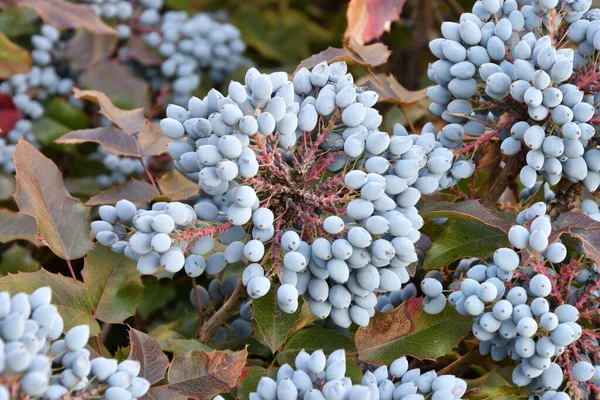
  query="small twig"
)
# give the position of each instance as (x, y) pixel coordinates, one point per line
(210, 327)
(72, 271)
(199, 307)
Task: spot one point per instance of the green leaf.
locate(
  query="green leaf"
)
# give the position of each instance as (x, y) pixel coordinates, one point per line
(251, 378)
(18, 22)
(70, 298)
(165, 333)
(183, 345)
(460, 238)
(466, 210)
(114, 284)
(492, 386)
(47, 130)
(271, 325)
(13, 58)
(65, 113)
(17, 259)
(157, 294)
(311, 339)
(408, 330)
(202, 376)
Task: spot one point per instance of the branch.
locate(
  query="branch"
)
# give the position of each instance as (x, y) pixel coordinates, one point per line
(493, 187)
(219, 318)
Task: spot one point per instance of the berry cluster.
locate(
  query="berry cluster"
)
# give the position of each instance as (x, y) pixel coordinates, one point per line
(37, 364)
(119, 168)
(317, 377)
(526, 306)
(528, 70)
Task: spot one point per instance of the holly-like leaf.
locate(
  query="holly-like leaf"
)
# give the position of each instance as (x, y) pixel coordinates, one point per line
(271, 325)
(112, 139)
(492, 386)
(353, 53)
(392, 92)
(130, 121)
(175, 186)
(13, 58)
(64, 112)
(469, 210)
(461, 238)
(202, 376)
(138, 192)
(139, 51)
(70, 297)
(147, 351)
(47, 130)
(161, 393)
(408, 330)
(582, 227)
(183, 345)
(86, 49)
(64, 15)
(9, 115)
(17, 259)
(15, 226)
(311, 339)
(368, 19)
(115, 79)
(114, 284)
(62, 219)
(8, 184)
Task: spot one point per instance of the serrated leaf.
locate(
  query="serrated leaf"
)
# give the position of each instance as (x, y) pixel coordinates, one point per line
(202, 376)
(492, 386)
(392, 92)
(62, 220)
(175, 186)
(461, 238)
(64, 15)
(368, 19)
(13, 58)
(112, 139)
(147, 351)
(70, 298)
(469, 210)
(159, 393)
(408, 330)
(271, 325)
(311, 339)
(138, 192)
(86, 49)
(114, 284)
(15, 226)
(583, 228)
(17, 259)
(183, 345)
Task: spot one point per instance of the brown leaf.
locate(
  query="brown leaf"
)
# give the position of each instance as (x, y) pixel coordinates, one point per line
(13, 58)
(62, 220)
(64, 15)
(111, 138)
(353, 53)
(368, 19)
(147, 351)
(176, 186)
(390, 91)
(130, 121)
(15, 226)
(202, 376)
(86, 49)
(115, 79)
(408, 330)
(152, 140)
(139, 51)
(160, 393)
(582, 227)
(138, 192)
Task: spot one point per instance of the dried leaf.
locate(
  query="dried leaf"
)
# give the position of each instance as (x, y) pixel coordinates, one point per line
(202, 376)
(15, 226)
(408, 330)
(368, 19)
(390, 91)
(64, 15)
(116, 80)
(353, 53)
(131, 121)
(160, 393)
(582, 227)
(13, 58)
(138, 192)
(139, 51)
(112, 139)
(62, 219)
(86, 49)
(176, 186)
(147, 351)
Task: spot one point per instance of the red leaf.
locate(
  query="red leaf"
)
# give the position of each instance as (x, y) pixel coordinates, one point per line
(146, 350)
(368, 19)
